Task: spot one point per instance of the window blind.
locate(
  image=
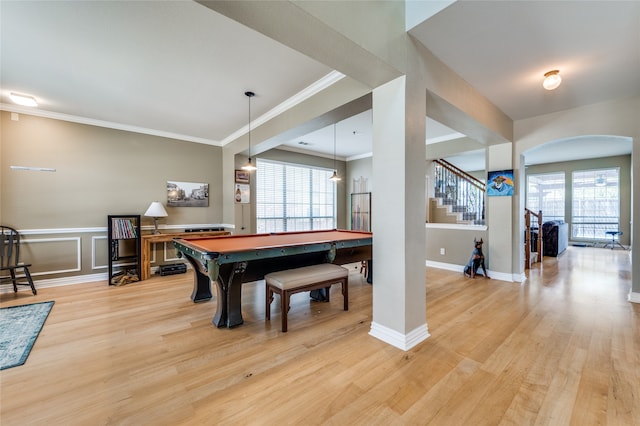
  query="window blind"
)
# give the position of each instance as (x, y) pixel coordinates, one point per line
(292, 197)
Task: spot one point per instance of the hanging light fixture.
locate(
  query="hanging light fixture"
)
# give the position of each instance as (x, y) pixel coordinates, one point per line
(249, 166)
(335, 176)
(552, 80)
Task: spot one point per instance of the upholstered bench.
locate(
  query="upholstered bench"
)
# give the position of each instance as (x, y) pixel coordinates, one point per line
(291, 281)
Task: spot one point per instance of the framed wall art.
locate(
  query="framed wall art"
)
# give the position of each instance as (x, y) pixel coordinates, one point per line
(361, 211)
(500, 183)
(187, 194)
(241, 193)
(242, 176)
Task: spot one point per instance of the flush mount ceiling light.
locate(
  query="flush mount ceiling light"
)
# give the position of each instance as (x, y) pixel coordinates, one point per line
(552, 80)
(249, 166)
(24, 100)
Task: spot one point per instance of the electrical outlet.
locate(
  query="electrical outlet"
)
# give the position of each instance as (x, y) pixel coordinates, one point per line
(442, 251)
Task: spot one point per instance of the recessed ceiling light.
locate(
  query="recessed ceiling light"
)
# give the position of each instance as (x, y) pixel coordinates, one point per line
(552, 80)
(24, 100)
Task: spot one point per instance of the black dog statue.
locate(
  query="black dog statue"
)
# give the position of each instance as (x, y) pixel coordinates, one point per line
(476, 261)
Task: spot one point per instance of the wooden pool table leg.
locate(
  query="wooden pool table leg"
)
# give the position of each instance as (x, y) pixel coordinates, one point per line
(234, 295)
(201, 283)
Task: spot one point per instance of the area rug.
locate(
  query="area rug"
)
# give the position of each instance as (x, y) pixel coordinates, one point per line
(19, 329)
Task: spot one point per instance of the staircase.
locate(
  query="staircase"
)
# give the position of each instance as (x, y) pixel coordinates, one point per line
(459, 197)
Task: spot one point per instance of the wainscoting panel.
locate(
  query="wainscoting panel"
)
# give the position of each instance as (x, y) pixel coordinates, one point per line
(52, 255)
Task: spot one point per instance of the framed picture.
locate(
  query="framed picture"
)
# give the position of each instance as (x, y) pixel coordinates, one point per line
(241, 193)
(187, 194)
(500, 183)
(361, 211)
(242, 176)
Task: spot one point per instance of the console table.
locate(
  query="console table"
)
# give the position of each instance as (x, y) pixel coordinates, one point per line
(147, 240)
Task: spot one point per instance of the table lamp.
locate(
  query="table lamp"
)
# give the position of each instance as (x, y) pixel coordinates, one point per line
(156, 210)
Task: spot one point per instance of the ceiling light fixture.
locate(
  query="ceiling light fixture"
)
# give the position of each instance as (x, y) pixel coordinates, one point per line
(335, 176)
(249, 166)
(24, 100)
(552, 80)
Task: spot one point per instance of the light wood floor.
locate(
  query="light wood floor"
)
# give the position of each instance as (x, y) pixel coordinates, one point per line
(561, 349)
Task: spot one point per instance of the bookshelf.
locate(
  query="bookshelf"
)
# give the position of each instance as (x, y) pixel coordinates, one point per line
(123, 232)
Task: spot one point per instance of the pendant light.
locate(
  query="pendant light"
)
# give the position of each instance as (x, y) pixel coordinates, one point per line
(335, 176)
(249, 166)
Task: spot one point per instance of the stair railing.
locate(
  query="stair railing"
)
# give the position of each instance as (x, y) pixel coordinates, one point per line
(463, 192)
(529, 225)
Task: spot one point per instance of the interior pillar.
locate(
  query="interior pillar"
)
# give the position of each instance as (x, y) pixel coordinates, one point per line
(398, 214)
(499, 217)
(634, 294)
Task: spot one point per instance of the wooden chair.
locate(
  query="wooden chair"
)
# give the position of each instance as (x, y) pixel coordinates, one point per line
(10, 260)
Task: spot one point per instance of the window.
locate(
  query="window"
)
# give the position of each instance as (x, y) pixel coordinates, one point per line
(292, 197)
(596, 203)
(546, 192)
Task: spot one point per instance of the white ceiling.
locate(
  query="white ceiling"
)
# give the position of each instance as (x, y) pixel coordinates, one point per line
(179, 69)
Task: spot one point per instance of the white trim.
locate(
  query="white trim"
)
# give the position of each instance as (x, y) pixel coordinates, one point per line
(360, 156)
(455, 226)
(519, 278)
(309, 152)
(58, 282)
(93, 252)
(447, 266)
(397, 339)
(634, 297)
(106, 124)
(164, 255)
(61, 231)
(323, 83)
(104, 229)
(500, 276)
(50, 240)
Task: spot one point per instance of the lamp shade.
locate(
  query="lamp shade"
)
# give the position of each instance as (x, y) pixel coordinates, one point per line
(156, 209)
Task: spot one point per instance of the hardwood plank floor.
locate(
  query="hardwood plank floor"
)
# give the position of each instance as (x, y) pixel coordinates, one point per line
(561, 349)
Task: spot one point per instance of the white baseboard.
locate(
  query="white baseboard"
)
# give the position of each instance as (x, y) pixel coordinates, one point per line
(448, 266)
(634, 297)
(57, 282)
(397, 339)
(500, 276)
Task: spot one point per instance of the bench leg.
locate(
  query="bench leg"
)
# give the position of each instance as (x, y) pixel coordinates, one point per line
(269, 299)
(345, 293)
(284, 296)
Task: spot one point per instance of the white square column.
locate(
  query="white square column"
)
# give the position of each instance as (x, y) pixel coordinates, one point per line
(398, 214)
(500, 217)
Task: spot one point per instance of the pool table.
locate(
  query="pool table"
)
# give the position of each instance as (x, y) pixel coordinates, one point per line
(232, 260)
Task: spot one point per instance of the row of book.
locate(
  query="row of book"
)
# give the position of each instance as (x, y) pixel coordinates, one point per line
(123, 228)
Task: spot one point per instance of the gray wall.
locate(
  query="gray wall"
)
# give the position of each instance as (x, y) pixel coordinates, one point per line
(457, 244)
(99, 171)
